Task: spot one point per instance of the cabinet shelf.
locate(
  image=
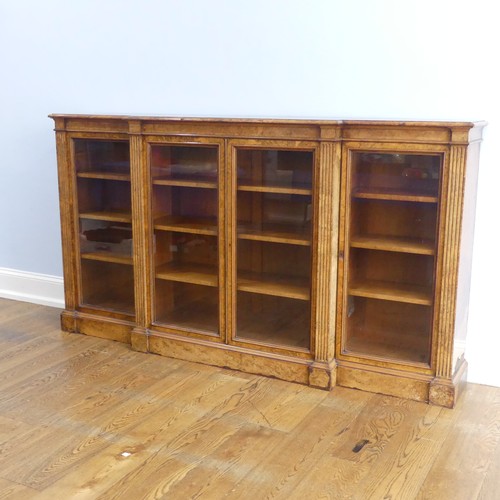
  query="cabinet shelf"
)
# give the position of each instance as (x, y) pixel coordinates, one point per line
(397, 292)
(108, 215)
(259, 188)
(276, 233)
(192, 225)
(108, 257)
(276, 285)
(97, 174)
(193, 182)
(188, 273)
(394, 244)
(393, 195)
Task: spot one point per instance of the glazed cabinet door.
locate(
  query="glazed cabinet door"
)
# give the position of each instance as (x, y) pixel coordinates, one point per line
(390, 244)
(271, 235)
(104, 224)
(187, 208)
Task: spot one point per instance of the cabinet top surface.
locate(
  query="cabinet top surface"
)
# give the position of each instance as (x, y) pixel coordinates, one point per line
(290, 121)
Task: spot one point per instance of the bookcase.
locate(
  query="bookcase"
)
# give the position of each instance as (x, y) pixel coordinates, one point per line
(315, 251)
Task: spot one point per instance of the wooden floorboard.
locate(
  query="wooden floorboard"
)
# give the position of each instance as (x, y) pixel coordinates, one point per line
(86, 418)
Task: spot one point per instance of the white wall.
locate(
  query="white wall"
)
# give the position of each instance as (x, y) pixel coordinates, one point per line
(426, 59)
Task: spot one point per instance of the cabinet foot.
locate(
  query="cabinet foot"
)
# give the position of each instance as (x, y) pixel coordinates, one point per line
(68, 322)
(444, 392)
(322, 375)
(139, 339)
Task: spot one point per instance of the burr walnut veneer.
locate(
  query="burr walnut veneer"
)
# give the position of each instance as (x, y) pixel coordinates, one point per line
(320, 252)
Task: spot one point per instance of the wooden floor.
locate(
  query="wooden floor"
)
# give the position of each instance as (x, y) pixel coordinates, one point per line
(82, 418)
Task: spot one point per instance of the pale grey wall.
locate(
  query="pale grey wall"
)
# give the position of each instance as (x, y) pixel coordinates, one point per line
(422, 59)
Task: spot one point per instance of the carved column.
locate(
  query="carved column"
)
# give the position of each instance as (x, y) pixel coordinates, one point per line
(67, 197)
(327, 186)
(141, 227)
(442, 389)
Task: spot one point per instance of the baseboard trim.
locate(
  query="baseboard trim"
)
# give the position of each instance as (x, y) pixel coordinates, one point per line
(31, 287)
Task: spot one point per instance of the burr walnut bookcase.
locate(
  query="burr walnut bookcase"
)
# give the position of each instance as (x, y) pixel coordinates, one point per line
(320, 252)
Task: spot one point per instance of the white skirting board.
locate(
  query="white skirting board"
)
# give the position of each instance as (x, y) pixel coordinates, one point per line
(31, 287)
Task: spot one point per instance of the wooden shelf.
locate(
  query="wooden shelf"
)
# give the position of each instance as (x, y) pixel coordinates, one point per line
(108, 215)
(108, 257)
(192, 225)
(188, 273)
(394, 244)
(394, 195)
(277, 233)
(194, 182)
(410, 294)
(276, 285)
(112, 176)
(258, 188)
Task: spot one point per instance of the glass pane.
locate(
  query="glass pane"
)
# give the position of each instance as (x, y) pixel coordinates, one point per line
(391, 259)
(398, 173)
(273, 320)
(105, 237)
(186, 306)
(104, 197)
(185, 207)
(394, 220)
(272, 167)
(102, 156)
(274, 221)
(108, 285)
(282, 218)
(184, 162)
(387, 329)
(104, 205)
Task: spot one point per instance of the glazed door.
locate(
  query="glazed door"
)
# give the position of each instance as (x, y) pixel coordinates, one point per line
(390, 249)
(104, 216)
(187, 186)
(271, 244)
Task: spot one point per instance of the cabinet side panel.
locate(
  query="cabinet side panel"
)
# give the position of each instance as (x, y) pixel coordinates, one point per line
(327, 212)
(450, 229)
(466, 247)
(66, 198)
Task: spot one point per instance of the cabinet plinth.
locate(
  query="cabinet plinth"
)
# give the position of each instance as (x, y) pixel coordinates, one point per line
(319, 252)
